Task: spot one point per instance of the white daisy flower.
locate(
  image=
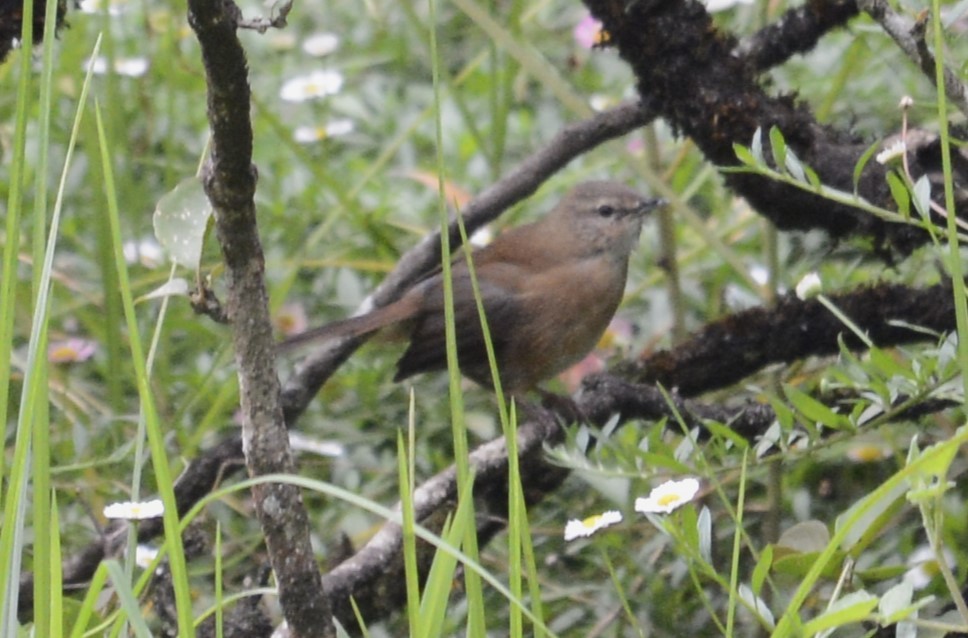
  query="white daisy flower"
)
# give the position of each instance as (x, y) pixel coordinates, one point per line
(282, 40)
(147, 252)
(600, 102)
(809, 286)
(668, 496)
(924, 566)
(320, 44)
(302, 443)
(132, 511)
(868, 452)
(128, 67)
(144, 554)
(892, 152)
(714, 6)
(308, 87)
(310, 134)
(578, 529)
(114, 7)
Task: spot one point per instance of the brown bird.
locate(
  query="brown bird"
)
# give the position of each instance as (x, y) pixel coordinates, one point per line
(549, 289)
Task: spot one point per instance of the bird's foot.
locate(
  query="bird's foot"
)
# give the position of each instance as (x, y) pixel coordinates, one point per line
(563, 406)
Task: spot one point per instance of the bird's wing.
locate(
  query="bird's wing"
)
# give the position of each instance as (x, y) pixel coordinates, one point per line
(428, 350)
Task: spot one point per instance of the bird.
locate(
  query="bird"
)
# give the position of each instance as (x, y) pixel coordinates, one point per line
(549, 290)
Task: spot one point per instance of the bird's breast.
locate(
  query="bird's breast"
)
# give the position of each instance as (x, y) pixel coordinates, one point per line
(565, 312)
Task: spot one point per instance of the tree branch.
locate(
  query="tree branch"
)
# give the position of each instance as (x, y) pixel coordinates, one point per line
(909, 36)
(728, 350)
(229, 180)
(797, 31)
(686, 66)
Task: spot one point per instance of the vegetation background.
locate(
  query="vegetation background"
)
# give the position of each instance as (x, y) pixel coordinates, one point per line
(347, 182)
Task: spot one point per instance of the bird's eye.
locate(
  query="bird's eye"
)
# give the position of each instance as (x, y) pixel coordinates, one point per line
(605, 210)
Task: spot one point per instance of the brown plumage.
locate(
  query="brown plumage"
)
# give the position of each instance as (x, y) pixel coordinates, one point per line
(549, 290)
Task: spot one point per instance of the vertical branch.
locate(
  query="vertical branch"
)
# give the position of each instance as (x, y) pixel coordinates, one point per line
(229, 180)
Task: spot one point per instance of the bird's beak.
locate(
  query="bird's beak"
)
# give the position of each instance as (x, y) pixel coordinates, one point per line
(650, 204)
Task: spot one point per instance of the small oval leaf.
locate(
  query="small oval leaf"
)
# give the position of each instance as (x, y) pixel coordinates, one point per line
(177, 287)
(900, 194)
(806, 536)
(180, 219)
(778, 147)
(922, 196)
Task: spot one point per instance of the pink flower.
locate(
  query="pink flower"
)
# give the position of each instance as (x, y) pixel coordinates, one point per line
(71, 350)
(588, 32)
(572, 377)
(291, 319)
(636, 146)
(618, 335)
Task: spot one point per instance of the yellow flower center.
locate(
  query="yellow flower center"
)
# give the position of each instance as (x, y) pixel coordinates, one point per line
(668, 499)
(63, 353)
(602, 37)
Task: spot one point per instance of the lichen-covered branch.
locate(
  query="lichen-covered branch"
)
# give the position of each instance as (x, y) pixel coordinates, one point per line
(229, 180)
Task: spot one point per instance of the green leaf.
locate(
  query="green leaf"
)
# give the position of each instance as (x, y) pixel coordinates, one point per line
(922, 196)
(653, 460)
(761, 569)
(756, 604)
(876, 513)
(180, 219)
(778, 147)
(129, 602)
(862, 163)
(854, 607)
(439, 583)
(934, 461)
(880, 573)
(794, 167)
(771, 439)
(806, 536)
(814, 410)
(896, 605)
(744, 155)
(896, 602)
(799, 565)
(756, 147)
(690, 527)
(784, 415)
(813, 178)
(177, 287)
(900, 193)
(887, 366)
(704, 529)
(717, 429)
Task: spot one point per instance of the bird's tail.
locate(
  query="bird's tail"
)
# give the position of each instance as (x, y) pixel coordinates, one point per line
(351, 327)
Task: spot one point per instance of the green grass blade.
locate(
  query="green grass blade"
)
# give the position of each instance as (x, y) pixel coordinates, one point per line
(163, 477)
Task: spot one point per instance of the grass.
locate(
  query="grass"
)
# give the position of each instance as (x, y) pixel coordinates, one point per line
(462, 106)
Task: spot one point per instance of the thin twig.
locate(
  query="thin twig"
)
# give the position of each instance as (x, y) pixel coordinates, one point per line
(909, 36)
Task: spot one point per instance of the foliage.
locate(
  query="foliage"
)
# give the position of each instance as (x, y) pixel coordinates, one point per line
(808, 529)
